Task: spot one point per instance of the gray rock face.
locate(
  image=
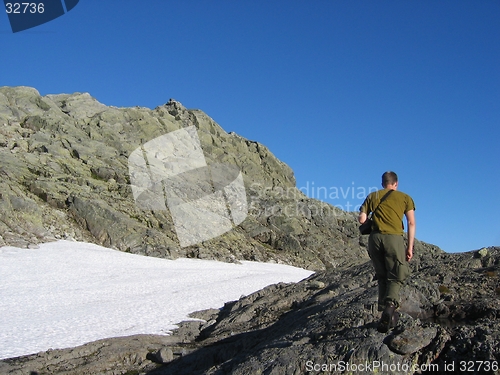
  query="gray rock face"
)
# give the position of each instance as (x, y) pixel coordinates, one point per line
(109, 356)
(320, 325)
(65, 174)
(296, 329)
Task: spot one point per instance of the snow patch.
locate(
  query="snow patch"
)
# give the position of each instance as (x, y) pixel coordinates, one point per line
(66, 294)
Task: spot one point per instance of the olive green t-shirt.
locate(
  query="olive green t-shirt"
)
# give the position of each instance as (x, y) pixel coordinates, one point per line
(389, 216)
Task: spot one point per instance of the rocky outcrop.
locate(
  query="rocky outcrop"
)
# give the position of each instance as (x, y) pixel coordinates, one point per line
(449, 313)
(64, 173)
(325, 324)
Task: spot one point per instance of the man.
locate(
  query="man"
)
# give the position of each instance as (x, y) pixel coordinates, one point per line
(386, 245)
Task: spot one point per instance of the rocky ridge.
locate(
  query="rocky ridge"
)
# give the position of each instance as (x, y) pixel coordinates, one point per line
(64, 174)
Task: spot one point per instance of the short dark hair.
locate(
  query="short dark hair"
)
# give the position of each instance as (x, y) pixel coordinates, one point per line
(389, 178)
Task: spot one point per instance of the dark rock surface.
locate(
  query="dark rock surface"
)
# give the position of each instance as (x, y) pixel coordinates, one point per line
(450, 308)
(295, 329)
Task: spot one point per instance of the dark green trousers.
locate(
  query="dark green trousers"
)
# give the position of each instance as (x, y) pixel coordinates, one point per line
(388, 255)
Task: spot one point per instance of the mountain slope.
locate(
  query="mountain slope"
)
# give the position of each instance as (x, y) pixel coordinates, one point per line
(65, 174)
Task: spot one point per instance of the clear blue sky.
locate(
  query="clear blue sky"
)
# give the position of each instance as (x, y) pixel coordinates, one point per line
(339, 90)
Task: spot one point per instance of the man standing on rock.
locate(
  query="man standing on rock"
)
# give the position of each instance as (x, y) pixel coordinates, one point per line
(386, 245)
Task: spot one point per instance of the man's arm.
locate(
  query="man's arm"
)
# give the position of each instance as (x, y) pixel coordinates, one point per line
(363, 210)
(362, 217)
(410, 218)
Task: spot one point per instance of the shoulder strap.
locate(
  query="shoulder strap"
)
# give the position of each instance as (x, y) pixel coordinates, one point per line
(383, 199)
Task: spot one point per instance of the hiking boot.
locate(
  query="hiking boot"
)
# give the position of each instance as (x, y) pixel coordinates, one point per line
(395, 319)
(386, 320)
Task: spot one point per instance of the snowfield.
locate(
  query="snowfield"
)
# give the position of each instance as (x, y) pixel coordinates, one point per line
(67, 293)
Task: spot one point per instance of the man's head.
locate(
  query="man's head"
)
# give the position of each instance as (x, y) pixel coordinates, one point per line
(390, 180)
